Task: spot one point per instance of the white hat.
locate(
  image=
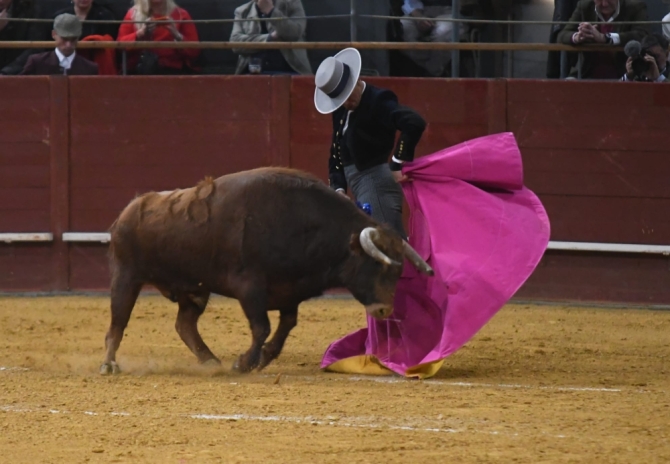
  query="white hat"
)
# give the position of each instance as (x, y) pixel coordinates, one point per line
(335, 80)
(666, 27)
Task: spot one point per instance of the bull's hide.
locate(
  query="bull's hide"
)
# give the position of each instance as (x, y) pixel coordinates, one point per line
(482, 231)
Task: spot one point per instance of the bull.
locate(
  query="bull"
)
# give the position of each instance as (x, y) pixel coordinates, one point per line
(269, 237)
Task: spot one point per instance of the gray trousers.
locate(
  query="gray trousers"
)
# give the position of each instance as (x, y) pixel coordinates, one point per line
(377, 186)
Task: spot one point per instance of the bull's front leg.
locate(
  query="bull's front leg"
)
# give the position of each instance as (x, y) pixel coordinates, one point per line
(288, 319)
(255, 308)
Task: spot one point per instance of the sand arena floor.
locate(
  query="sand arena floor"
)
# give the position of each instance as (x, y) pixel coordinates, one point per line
(538, 384)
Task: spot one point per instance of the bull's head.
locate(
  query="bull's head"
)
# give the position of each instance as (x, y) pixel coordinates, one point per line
(378, 265)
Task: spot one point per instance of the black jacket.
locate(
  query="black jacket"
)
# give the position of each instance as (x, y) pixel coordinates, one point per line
(44, 64)
(370, 134)
(12, 60)
(96, 13)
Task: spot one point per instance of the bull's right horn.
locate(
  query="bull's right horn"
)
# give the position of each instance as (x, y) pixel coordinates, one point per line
(414, 258)
(367, 237)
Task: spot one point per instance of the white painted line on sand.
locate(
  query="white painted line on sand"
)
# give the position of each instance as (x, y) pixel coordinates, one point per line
(486, 385)
(2, 368)
(350, 422)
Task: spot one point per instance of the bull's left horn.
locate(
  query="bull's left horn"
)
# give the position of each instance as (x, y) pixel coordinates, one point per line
(367, 242)
(414, 258)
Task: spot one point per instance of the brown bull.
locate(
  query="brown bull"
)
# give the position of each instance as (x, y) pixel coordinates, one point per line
(270, 237)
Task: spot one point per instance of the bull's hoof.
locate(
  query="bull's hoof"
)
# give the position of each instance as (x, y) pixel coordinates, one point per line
(211, 362)
(241, 366)
(110, 368)
(266, 358)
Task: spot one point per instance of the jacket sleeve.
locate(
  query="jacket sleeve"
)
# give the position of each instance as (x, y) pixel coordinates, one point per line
(127, 32)
(290, 30)
(408, 122)
(190, 33)
(638, 31)
(29, 68)
(565, 36)
(238, 34)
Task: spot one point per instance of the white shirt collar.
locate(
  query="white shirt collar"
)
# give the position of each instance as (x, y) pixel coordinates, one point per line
(65, 61)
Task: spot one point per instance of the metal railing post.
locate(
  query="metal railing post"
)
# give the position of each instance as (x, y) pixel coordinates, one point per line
(564, 64)
(352, 21)
(456, 37)
(510, 53)
(580, 62)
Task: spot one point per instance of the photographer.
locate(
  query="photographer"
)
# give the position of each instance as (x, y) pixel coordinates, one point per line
(647, 61)
(621, 20)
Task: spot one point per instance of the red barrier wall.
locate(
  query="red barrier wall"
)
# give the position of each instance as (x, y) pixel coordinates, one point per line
(76, 150)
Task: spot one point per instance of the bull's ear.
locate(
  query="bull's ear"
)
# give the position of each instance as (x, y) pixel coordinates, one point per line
(355, 244)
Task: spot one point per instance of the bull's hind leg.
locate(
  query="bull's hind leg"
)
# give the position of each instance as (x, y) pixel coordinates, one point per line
(256, 310)
(288, 318)
(191, 308)
(125, 290)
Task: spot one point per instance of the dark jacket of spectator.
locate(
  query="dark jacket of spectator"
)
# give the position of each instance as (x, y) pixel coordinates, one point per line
(629, 10)
(96, 13)
(12, 60)
(48, 63)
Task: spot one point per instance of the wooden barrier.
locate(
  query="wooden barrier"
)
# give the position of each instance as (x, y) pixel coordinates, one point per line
(74, 151)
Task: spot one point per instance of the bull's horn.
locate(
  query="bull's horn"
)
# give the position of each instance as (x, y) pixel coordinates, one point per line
(367, 237)
(414, 258)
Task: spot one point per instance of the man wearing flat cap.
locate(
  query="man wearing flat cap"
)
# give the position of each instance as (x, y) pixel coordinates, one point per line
(63, 59)
(365, 121)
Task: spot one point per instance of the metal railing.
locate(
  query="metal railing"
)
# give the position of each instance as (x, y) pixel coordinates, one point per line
(456, 46)
(105, 237)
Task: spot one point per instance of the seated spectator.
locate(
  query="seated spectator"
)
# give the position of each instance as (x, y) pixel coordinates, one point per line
(656, 61)
(562, 11)
(157, 24)
(433, 61)
(666, 27)
(12, 60)
(90, 10)
(271, 61)
(63, 59)
(605, 65)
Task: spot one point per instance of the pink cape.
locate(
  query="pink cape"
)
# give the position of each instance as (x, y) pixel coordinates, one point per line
(481, 230)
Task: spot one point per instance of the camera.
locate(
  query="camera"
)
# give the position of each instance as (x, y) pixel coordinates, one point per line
(634, 49)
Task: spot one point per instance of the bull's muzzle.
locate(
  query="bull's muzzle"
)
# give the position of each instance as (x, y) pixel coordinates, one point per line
(379, 310)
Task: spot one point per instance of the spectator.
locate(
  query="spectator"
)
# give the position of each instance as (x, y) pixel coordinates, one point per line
(562, 11)
(157, 24)
(12, 60)
(271, 61)
(666, 27)
(605, 65)
(433, 61)
(656, 59)
(63, 59)
(90, 10)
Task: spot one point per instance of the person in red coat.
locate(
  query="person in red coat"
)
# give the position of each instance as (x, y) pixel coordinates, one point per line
(63, 59)
(158, 24)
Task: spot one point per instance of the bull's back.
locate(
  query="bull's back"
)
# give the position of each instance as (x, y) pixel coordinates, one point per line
(279, 222)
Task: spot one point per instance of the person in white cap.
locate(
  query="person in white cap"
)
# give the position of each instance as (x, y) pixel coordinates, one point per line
(365, 121)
